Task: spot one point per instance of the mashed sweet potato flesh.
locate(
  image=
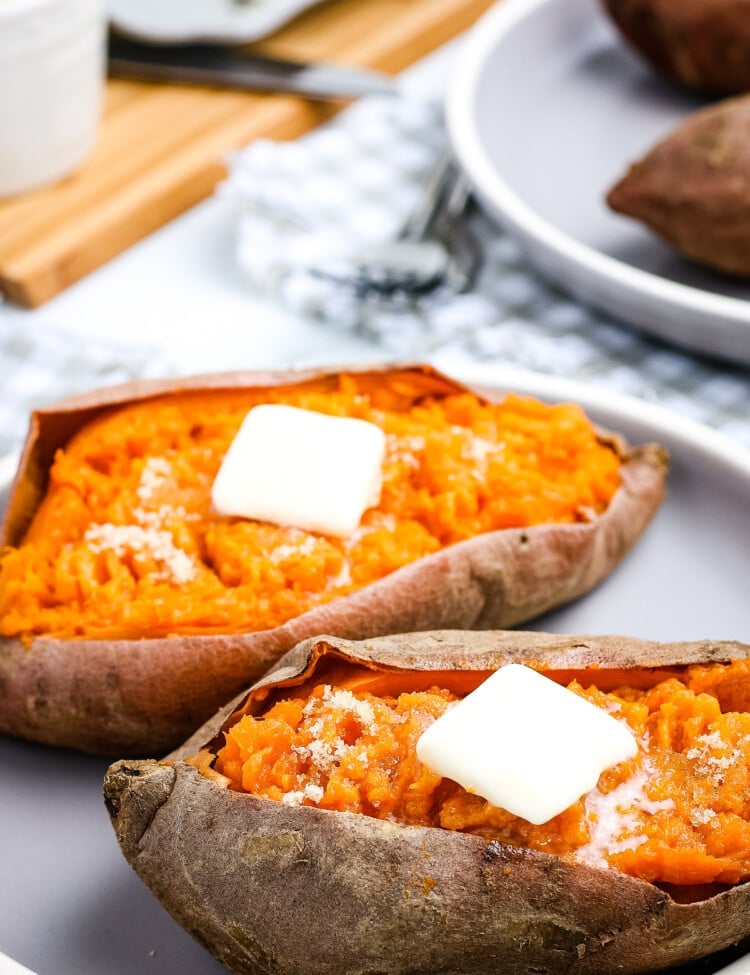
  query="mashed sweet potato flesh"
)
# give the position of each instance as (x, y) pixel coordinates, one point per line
(678, 813)
(126, 544)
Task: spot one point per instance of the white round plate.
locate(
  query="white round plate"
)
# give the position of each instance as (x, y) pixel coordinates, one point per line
(223, 21)
(77, 908)
(546, 110)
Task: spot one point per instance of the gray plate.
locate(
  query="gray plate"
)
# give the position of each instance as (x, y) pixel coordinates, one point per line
(222, 21)
(72, 906)
(546, 110)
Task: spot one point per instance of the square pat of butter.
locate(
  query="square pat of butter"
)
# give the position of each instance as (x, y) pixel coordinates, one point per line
(525, 743)
(302, 469)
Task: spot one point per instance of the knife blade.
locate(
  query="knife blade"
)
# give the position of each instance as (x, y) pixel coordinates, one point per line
(220, 66)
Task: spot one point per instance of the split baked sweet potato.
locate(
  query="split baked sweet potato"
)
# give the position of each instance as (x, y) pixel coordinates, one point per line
(320, 845)
(130, 611)
(701, 43)
(692, 190)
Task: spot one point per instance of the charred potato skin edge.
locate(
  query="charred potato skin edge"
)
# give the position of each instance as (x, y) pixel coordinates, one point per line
(138, 697)
(445, 902)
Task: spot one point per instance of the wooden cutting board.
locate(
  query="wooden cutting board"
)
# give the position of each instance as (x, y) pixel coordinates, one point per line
(160, 147)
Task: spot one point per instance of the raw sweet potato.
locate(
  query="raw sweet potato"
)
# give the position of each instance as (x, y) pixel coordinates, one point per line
(692, 188)
(701, 43)
(131, 611)
(296, 886)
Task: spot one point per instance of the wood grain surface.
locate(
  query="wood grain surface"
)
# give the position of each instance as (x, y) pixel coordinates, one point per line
(160, 147)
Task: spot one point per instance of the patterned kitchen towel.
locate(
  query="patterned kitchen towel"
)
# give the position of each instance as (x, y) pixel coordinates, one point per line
(42, 364)
(306, 205)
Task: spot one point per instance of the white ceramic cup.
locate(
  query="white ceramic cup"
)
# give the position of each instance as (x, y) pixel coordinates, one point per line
(52, 57)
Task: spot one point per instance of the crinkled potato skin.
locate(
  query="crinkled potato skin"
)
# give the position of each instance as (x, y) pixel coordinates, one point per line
(141, 697)
(691, 187)
(704, 44)
(303, 891)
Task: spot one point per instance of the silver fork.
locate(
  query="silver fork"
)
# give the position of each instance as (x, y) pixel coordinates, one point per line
(435, 251)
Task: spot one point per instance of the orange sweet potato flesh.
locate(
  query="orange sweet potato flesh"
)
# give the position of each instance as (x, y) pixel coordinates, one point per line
(704, 44)
(677, 813)
(279, 888)
(127, 544)
(143, 680)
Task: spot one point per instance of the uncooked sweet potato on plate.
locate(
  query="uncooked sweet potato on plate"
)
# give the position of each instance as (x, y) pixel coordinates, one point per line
(692, 188)
(701, 43)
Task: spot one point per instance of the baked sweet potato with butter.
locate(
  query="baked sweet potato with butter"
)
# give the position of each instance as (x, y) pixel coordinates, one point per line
(692, 190)
(130, 610)
(298, 833)
(704, 44)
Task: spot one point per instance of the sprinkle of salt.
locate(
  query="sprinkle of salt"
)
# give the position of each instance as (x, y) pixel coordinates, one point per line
(404, 449)
(311, 791)
(305, 546)
(177, 565)
(147, 536)
(325, 755)
(613, 815)
(710, 765)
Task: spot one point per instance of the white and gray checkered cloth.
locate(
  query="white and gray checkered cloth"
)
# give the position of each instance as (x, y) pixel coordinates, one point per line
(302, 203)
(39, 366)
(305, 204)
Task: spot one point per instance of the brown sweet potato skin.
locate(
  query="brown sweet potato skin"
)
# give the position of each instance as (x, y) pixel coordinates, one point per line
(302, 891)
(692, 188)
(130, 697)
(701, 43)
